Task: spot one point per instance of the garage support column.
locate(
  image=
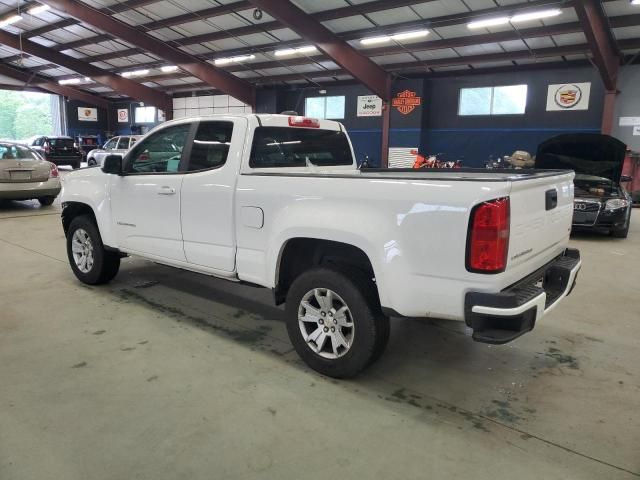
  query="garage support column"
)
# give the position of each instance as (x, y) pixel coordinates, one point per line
(386, 121)
(608, 111)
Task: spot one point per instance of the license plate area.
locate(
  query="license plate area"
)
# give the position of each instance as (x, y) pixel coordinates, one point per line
(20, 175)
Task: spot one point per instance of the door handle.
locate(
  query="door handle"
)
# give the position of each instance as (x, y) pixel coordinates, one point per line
(166, 190)
(551, 199)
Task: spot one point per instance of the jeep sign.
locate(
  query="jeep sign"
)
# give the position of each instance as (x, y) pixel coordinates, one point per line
(369, 106)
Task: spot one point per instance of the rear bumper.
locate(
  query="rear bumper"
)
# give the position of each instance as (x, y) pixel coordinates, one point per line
(499, 318)
(29, 190)
(65, 160)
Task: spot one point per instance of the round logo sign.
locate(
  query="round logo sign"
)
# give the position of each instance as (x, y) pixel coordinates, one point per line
(122, 115)
(568, 96)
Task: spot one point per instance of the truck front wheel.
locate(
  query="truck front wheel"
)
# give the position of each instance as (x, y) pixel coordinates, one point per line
(89, 260)
(335, 322)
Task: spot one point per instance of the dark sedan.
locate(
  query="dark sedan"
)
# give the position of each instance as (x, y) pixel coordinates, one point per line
(58, 150)
(601, 202)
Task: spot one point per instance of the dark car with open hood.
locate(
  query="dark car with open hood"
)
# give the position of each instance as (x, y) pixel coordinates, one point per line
(600, 200)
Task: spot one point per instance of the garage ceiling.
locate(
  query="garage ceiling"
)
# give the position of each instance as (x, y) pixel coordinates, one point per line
(228, 36)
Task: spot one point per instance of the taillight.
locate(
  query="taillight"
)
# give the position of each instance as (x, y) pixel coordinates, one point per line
(304, 122)
(54, 171)
(488, 241)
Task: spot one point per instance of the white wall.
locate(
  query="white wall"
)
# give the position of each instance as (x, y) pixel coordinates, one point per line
(207, 105)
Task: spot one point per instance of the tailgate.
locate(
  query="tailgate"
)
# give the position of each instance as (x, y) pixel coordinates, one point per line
(541, 214)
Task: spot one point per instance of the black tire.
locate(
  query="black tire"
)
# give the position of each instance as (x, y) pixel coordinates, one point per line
(76, 165)
(371, 327)
(105, 263)
(46, 201)
(91, 162)
(622, 233)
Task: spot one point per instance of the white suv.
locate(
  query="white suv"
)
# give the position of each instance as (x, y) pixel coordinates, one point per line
(115, 146)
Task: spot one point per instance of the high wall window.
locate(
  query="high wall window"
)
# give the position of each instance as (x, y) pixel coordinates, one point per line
(508, 100)
(331, 108)
(145, 115)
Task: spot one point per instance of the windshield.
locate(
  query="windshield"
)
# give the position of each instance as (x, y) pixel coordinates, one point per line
(16, 152)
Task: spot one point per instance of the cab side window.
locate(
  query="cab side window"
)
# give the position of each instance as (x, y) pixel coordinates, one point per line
(159, 153)
(210, 146)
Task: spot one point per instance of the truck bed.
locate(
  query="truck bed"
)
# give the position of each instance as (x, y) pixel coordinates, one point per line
(460, 174)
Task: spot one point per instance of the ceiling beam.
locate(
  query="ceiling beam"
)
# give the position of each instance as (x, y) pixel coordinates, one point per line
(332, 14)
(421, 67)
(67, 22)
(34, 81)
(436, 22)
(206, 72)
(603, 48)
(116, 82)
(361, 67)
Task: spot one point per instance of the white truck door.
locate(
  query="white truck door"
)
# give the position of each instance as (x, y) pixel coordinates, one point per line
(145, 200)
(208, 192)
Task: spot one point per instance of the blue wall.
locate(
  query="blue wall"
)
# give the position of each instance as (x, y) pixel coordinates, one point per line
(474, 139)
(435, 126)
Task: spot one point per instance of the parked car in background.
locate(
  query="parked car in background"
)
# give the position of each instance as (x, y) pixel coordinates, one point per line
(601, 203)
(24, 175)
(115, 146)
(58, 150)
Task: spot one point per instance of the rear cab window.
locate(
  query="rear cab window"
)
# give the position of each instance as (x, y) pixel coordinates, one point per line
(291, 147)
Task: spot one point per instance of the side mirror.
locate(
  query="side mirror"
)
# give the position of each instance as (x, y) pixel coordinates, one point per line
(112, 164)
(626, 178)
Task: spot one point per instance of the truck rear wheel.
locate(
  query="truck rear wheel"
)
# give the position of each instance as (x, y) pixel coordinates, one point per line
(335, 322)
(89, 260)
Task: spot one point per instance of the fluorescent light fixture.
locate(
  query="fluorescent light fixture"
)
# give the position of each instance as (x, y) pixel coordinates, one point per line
(635, 2)
(293, 51)
(410, 35)
(375, 40)
(241, 58)
(169, 68)
(488, 22)
(526, 17)
(396, 36)
(38, 9)
(135, 73)
(10, 20)
(69, 81)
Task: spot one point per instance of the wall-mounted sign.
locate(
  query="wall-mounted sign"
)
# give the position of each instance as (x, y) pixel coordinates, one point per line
(86, 114)
(568, 96)
(369, 106)
(636, 131)
(406, 101)
(629, 121)
(123, 115)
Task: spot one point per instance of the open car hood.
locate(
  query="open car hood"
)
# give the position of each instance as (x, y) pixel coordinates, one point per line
(586, 153)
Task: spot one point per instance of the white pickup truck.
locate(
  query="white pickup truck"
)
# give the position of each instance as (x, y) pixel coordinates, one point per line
(278, 201)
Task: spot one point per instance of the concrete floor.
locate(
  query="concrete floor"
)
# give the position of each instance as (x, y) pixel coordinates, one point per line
(165, 374)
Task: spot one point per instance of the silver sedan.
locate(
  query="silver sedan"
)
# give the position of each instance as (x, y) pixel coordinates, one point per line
(25, 175)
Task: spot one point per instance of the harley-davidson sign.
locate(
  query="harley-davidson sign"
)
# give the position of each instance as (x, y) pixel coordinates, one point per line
(406, 101)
